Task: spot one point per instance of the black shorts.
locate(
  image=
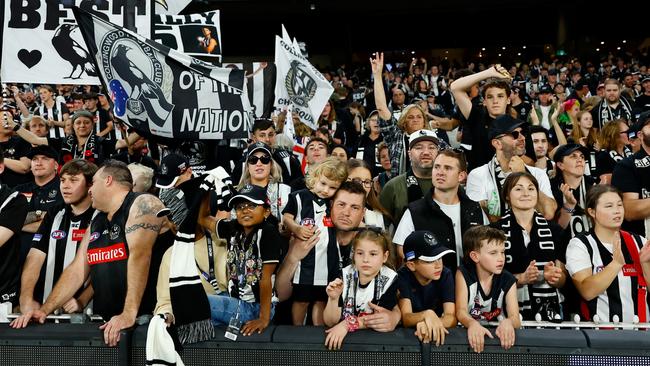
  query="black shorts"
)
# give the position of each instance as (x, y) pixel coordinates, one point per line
(309, 293)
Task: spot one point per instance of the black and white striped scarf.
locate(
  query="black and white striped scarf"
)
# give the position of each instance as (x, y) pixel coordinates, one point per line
(188, 298)
(606, 113)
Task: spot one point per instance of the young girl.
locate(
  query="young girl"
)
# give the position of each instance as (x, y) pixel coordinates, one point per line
(253, 254)
(307, 211)
(367, 283)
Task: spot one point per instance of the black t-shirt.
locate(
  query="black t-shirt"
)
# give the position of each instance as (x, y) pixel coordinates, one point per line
(14, 148)
(642, 103)
(632, 174)
(261, 246)
(476, 127)
(606, 161)
(431, 296)
(12, 217)
(523, 110)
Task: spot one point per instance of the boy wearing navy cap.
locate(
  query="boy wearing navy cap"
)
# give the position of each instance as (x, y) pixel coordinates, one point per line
(426, 288)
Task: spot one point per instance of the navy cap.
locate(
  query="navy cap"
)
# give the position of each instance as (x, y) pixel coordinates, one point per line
(171, 167)
(423, 245)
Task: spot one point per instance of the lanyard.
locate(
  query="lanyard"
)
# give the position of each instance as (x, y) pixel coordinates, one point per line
(210, 276)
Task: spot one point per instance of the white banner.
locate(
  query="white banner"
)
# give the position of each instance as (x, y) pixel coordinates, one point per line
(172, 7)
(192, 34)
(42, 43)
(299, 86)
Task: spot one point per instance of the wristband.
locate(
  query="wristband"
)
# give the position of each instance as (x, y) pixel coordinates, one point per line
(352, 323)
(569, 210)
(17, 127)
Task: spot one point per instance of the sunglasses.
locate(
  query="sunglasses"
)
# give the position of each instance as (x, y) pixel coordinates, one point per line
(252, 160)
(242, 206)
(513, 134)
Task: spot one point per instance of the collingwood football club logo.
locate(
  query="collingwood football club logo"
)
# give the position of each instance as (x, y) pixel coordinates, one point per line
(139, 83)
(300, 86)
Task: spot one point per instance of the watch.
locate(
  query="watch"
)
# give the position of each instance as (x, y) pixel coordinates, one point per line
(17, 127)
(352, 322)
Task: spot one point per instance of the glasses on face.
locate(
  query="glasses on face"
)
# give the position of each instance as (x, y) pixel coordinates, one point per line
(366, 183)
(514, 134)
(624, 132)
(243, 206)
(252, 160)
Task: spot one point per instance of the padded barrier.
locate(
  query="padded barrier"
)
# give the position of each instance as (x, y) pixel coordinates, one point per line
(81, 344)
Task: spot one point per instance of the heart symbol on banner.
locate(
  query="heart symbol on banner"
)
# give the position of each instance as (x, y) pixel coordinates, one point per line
(29, 58)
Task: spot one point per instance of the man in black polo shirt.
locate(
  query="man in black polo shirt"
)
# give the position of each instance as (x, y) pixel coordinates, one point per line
(13, 209)
(632, 176)
(43, 191)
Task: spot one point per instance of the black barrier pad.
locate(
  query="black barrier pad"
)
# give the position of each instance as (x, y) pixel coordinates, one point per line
(316, 335)
(551, 338)
(140, 337)
(617, 339)
(50, 333)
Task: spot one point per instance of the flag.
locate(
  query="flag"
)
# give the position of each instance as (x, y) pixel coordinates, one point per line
(260, 79)
(299, 86)
(160, 91)
(42, 44)
(192, 34)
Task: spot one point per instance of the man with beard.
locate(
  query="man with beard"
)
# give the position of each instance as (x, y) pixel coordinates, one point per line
(416, 182)
(348, 208)
(539, 137)
(57, 240)
(632, 177)
(613, 107)
(484, 183)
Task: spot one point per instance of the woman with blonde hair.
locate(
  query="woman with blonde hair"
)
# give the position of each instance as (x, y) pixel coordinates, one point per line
(613, 140)
(395, 131)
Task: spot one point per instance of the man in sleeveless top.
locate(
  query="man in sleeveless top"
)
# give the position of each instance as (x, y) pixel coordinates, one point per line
(121, 253)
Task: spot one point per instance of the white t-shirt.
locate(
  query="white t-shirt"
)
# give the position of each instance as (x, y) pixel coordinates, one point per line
(404, 228)
(545, 121)
(453, 212)
(481, 187)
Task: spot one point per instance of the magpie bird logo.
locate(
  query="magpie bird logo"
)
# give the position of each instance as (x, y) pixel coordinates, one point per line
(67, 42)
(301, 87)
(138, 80)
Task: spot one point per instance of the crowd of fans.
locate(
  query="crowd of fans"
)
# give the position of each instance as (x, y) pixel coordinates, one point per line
(428, 196)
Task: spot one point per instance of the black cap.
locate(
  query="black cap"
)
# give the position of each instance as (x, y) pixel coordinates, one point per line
(545, 89)
(552, 72)
(43, 150)
(645, 78)
(259, 146)
(633, 131)
(424, 246)
(566, 150)
(581, 84)
(503, 124)
(171, 166)
(251, 193)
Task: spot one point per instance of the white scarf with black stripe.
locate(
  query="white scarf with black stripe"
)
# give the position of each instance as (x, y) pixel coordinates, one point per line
(188, 298)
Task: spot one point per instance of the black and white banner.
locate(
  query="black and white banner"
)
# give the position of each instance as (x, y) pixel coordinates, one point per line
(260, 79)
(192, 34)
(299, 86)
(42, 43)
(158, 90)
(172, 7)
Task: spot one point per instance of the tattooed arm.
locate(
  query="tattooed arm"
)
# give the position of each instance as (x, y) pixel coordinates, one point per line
(142, 229)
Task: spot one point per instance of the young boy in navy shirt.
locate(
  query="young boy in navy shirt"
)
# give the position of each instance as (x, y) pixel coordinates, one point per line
(426, 288)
